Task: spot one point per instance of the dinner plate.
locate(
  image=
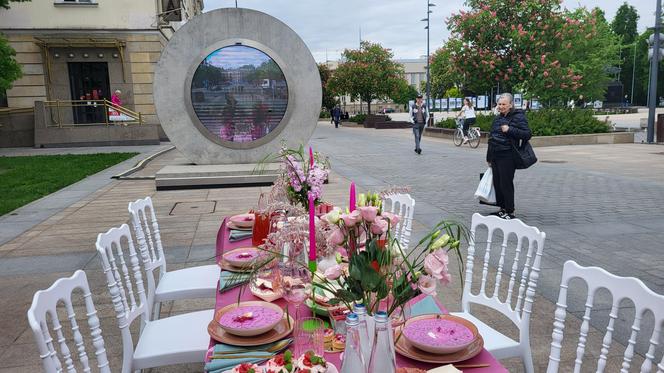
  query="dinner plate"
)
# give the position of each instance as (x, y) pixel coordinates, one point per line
(223, 263)
(233, 257)
(404, 348)
(243, 220)
(267, 295)
(259, 307)
(236, 227)
(429, 327)
(277, 333)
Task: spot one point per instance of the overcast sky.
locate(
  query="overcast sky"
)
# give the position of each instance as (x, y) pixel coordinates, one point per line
(329, 26)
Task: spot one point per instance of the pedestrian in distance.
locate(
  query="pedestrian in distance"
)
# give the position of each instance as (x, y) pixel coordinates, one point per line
(331, 115)
(336, 116)
(469, 118)
(580, 102)
(509, 127)
(418, 116)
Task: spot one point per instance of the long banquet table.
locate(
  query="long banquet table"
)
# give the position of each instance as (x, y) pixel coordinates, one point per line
(230, 296)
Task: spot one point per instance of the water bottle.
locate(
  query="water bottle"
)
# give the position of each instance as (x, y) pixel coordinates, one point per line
(382, 358)
(353, 360)
(366, 340)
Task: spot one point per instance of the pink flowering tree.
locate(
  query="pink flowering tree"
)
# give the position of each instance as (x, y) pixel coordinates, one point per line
(530, 45)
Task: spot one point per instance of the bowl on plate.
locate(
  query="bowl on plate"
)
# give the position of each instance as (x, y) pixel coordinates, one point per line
(243, 220)
(439, 334)
(249, 319)
(242, 257)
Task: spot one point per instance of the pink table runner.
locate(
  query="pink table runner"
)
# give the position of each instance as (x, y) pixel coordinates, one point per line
(228, 297)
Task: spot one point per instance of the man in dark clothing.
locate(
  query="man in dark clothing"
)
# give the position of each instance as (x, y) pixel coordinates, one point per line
(509, 127)
(418, 115)
(580, 102)
(336, 116)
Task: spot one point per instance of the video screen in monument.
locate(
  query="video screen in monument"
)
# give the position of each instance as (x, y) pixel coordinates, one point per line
(239, 93)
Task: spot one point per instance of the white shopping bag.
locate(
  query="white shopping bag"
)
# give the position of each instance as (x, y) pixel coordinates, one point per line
(485, 191)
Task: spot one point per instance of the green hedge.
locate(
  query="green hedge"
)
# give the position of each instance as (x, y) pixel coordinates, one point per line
(548, 122)
(324, 114)
(359, 118)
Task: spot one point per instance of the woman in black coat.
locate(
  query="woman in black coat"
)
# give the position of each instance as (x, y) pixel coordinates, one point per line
(508, 128)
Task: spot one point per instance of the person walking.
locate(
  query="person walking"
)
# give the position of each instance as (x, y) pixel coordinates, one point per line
(508, 128)
(418, 115)
(469, 118)
(336, 116)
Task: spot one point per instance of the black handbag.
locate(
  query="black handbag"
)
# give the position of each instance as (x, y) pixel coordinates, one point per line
(524, 155)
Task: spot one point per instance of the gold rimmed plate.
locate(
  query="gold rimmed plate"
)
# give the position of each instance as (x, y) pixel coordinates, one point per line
(223, 263)
(235, 257)
(280, 331)
(236, 227)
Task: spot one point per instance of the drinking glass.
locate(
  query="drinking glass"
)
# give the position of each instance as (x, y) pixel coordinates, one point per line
(295, 283)
(261, 228)
(309, 335)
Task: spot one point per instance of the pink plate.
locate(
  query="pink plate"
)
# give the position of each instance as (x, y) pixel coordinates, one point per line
(243, 220)
(249, 319)
(242, 257)
(439, 334)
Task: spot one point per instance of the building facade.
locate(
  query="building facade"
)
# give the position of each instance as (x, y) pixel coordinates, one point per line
(87, 49)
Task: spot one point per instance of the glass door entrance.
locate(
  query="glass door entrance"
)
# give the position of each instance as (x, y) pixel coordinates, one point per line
(88, 81)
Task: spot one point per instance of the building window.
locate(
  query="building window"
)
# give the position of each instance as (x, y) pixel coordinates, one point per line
(76, 2)
(171, 10)
(3, 98)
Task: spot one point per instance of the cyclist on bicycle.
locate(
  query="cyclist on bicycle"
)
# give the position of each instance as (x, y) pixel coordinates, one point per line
(467, 113)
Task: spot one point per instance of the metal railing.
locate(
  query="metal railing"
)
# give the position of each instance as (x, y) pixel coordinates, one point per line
(92, 111)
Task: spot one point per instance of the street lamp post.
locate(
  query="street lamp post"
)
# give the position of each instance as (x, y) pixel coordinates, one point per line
(654, 65)
(428, 88)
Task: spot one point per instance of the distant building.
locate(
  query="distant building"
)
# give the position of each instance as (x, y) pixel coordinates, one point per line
(73, 49)
(415, 74)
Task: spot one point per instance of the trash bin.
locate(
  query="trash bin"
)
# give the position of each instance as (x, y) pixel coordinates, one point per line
(659, 128)
(430, 122)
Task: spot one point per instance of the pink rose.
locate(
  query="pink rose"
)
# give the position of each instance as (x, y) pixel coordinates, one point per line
(369, 213)
(435, 264)
(393, 218)
(351, 219)
(427, 285)
(333, 272)
(336, 237)
(379, 226)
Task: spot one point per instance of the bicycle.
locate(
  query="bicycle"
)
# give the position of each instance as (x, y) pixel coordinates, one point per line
(474, 136)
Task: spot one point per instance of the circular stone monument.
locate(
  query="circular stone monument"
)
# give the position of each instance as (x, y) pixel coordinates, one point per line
(232, 84)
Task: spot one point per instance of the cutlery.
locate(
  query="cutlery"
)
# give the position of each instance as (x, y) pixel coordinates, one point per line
(470, 366)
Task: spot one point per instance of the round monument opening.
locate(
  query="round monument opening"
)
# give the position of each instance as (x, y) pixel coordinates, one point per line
(239, 94)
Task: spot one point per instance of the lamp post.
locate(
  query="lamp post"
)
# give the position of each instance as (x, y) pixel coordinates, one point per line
(654, 65)
(428, 88)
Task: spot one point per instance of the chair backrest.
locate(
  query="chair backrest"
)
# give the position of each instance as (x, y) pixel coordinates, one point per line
(45, 302)
(620, 288)
(122, 280)
(529, 270)
(146, 230)
(403, 205)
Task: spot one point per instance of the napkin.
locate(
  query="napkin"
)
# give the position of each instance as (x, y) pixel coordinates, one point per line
(229, 280)
(256, 354)
(237, 235)
(425, 306)
(449, 368)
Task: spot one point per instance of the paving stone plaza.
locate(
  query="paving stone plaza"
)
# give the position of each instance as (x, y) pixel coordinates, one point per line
(598, 204)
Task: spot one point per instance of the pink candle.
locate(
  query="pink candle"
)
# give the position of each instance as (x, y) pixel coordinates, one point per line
(351, 204)
(312, 230)
(311, 157)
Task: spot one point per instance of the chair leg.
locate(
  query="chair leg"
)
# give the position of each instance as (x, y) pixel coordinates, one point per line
(527, 358)
(157, 311)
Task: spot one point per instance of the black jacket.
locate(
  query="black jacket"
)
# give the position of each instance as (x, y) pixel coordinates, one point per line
(500, 143)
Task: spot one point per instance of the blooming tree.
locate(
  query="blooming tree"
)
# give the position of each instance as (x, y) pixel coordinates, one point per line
(532, 45)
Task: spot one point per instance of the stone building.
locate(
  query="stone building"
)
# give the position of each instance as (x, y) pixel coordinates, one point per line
(87, 49)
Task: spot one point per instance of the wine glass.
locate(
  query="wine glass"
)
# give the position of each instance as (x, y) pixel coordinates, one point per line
(296, 284)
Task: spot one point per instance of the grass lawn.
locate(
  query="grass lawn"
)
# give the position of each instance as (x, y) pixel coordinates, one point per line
(25, 179)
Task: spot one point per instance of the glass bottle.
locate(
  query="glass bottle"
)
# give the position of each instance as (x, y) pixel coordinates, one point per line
(382, 358)
(366, 340)
(353, 360)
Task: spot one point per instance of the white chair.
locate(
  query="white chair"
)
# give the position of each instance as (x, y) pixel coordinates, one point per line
(187, 283)
(403, 205)
(497, 343)
(172, 340)
(621, 288)
(45, 302)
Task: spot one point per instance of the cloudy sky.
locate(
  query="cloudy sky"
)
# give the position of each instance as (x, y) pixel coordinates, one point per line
(237, 56)
(329, 26)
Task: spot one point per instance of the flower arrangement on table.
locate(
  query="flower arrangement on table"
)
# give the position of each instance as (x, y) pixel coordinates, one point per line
(304, 178)
(378, 268)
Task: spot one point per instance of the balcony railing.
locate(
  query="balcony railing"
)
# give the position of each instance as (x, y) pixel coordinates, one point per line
(89, 113)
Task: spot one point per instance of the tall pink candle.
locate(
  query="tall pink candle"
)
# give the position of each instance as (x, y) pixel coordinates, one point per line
(351, 203)
(312, 230)
(311, 157)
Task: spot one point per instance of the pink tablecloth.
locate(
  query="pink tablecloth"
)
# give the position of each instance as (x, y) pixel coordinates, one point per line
(223, 299)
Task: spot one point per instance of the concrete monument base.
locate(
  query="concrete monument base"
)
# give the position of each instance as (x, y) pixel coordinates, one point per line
(208, 176)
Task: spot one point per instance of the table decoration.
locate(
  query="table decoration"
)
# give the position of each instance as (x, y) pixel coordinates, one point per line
(301, 178)
(229, 280)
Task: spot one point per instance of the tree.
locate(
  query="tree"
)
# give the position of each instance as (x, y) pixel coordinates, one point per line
(443, 75)
(367, 73)
(404, 93)
(533, 46)
(328, 96)
(5, 3)
(624, 23)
